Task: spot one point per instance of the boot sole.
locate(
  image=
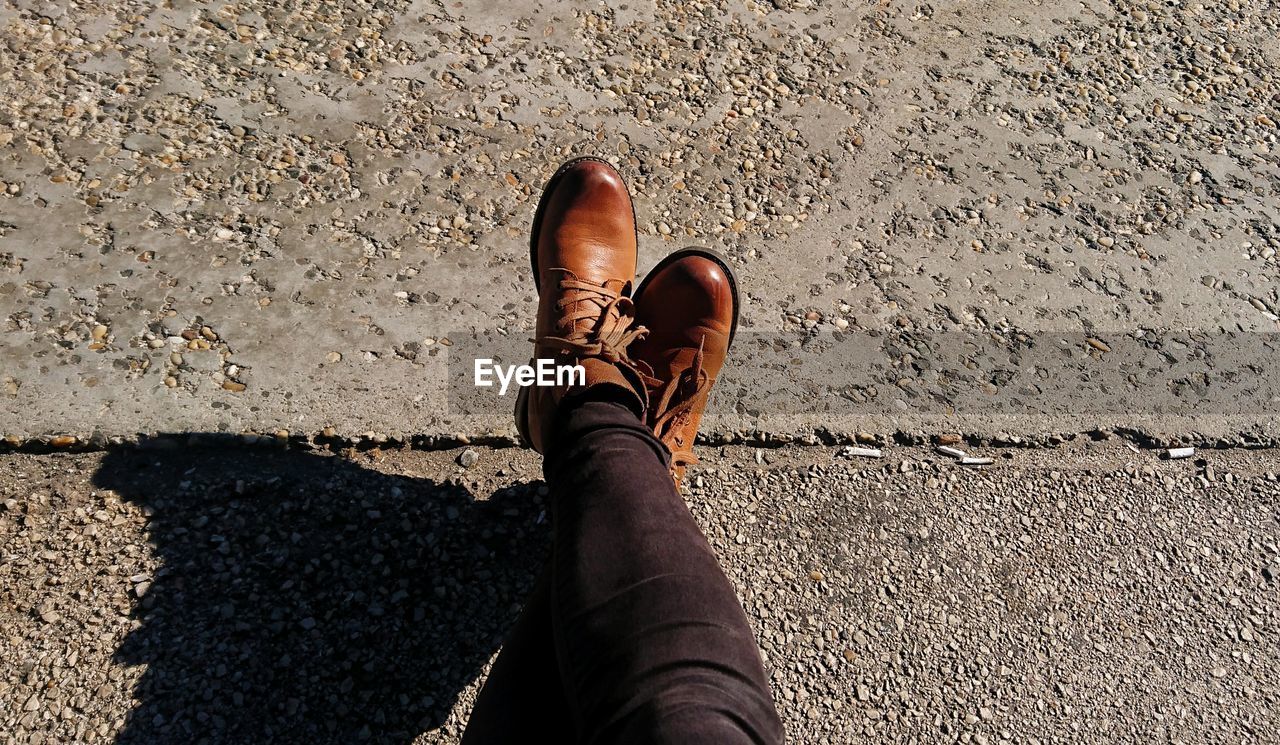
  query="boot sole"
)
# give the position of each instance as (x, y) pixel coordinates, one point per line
(705, 253)
(522, 417)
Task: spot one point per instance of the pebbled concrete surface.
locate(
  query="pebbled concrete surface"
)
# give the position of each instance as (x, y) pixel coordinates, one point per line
(1085, 594)
(263, 216)
(1033, 222)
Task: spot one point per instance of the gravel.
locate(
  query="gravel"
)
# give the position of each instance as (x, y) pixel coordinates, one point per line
(1083, 594)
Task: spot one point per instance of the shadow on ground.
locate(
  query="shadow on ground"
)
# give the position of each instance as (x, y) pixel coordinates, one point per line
(304, 598)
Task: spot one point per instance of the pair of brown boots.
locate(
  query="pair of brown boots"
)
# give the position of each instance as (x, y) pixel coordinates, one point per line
(662, 346)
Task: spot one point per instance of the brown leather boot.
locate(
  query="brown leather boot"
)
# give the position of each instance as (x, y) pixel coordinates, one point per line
(583, 252)
(689, 303)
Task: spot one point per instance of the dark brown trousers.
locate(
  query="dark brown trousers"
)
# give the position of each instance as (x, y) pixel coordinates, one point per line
(633, 634)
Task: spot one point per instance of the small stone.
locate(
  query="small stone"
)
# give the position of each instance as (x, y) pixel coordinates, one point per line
(816, 576)
(468, 458)
(233, 386)
(100, 332)
(334, 357)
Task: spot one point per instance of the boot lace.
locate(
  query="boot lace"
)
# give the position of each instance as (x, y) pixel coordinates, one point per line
(677, 399)
(612, 322)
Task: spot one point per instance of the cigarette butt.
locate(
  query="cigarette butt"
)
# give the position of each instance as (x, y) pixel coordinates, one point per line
(953, 452)
(864, 452)
(1176, 453)
(973, 460)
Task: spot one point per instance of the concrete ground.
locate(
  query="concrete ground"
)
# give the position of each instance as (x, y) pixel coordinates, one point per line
(1086, 594)
(264, 216)
(1045, 228)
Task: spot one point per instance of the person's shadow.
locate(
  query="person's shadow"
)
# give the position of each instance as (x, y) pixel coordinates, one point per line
(303, 598)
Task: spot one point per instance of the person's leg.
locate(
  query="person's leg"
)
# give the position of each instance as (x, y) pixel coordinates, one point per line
(652, 642)
(522, 700)
(583, 256)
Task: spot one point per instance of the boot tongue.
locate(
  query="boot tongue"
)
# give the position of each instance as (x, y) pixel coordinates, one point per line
(686, 369)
